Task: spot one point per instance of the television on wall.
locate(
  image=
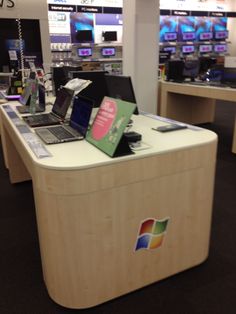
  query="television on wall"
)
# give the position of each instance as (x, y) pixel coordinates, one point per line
(170, 36)
(108, 51)
(221, 35)
(220, 48)
(206, 36)
(205, 48)
(188, 36)
(84, 52)
(110, 36)
(188, 49)
(84, 36)
(170, 49)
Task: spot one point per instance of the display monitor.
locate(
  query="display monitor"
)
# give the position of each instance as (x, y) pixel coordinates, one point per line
(171, 49)
(164, 56)
(221, 35)
(108, 51)
(84, 52)
(188, 36)
(205, 48)
(120, 86)
(229, 76)
(84, 36)
(191, 68)
(188, 49)
(97, 89)
(174, 70)
(220, 48)
(110, 36)
(170, 36)
(206, 36)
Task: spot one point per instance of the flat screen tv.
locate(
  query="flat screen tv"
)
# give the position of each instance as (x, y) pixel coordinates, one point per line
(170, 36)
(220, 48)
(171, 49)
(206, 36)
(110, 36)
(205, 48)
(187, 49)
(188, 36)
(108, 51)
(84, 52)
(84, 36)
(221, 35)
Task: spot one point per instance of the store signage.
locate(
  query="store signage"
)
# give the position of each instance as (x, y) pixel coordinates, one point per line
(63, 8)
(89, 9)
(7, 4)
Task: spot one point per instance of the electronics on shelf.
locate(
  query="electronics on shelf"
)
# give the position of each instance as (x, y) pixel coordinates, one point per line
(84, 52)
(108, 51)
(110, 36)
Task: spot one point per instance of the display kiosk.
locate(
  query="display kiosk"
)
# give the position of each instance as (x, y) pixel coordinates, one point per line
(108, 226)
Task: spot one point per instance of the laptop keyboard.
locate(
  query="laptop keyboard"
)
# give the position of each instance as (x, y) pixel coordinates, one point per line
(60, 132)
(41, 118)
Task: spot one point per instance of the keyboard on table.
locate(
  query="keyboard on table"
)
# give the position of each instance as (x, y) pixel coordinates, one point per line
(60, 132)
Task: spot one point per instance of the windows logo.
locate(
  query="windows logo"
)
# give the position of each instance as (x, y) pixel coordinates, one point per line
(151, 234)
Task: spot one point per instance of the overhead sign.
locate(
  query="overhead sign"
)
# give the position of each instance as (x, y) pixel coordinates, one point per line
(7, 4)
(206, 5)
(102, 3)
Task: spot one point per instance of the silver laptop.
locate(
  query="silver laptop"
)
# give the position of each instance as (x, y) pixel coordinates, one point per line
(26, 96)
(77, 127)
(58, 113)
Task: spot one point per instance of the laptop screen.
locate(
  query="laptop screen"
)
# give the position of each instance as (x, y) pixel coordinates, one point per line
(62, 102)
(24, 98)
(81, 112)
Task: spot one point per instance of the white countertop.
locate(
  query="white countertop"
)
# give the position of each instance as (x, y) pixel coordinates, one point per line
(81, 154)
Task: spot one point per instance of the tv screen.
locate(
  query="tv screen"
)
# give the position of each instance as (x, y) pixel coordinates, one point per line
(108, 51)
(110, 36)
(170, 49)
(219, 48)
(187, 49)
(170, 36)
(188, 36)
(205, 48)
(84, 52)
(219, 35)
(83, 36)
(205, 36)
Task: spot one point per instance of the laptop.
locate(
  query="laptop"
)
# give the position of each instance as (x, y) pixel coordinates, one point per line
(7, 96)
(26, 96)
(77, 127)
(58, 113)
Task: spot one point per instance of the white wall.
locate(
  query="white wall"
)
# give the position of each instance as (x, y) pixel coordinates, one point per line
(33, 9)
(140, 49)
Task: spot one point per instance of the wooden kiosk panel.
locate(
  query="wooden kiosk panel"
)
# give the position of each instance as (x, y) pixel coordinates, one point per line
(90, 218)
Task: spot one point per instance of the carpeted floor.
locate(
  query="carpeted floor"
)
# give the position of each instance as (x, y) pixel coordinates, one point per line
(207, 289)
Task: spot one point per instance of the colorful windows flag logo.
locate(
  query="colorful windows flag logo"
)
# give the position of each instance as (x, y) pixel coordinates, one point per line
(151, 234)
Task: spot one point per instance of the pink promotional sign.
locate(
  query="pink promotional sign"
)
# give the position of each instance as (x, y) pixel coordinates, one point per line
(104, 119)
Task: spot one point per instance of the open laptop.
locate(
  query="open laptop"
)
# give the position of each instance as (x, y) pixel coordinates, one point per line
(77, 127)
(58, 113)
(8, 96)
(26, 96)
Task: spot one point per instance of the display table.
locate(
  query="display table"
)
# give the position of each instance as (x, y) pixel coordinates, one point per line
(89, 209)
(193, 103)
